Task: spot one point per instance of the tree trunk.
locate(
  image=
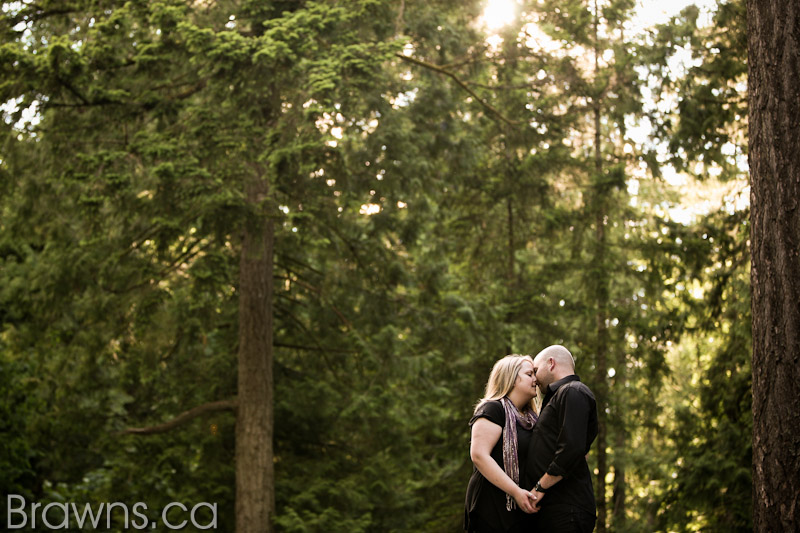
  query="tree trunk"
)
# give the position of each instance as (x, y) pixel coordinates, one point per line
(601, 299)
(601, 369)
(510, 275)
(774, 157)
(255, 471)
(620, 484)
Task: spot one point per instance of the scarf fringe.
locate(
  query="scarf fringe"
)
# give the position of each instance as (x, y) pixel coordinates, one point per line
(510, 451)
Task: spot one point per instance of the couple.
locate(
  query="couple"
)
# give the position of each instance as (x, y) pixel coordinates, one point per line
(530, 473)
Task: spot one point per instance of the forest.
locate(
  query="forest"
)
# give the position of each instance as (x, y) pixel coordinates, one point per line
(263, 254)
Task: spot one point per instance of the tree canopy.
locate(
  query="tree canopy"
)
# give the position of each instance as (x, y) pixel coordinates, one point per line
(264, 254)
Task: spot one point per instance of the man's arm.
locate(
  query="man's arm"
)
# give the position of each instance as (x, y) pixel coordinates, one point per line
(574, 414)
(538, 491)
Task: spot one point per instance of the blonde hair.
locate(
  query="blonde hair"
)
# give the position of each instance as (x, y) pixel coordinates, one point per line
(503, 377)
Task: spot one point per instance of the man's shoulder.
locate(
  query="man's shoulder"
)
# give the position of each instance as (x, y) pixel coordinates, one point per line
(576, 386)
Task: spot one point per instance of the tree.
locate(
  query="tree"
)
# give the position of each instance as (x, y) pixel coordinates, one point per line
(774, 157)
(169, 135)
(370, 201)
(708, 482)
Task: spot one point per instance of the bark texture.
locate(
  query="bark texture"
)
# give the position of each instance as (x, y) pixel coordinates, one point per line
(774, 157)
(255, 471)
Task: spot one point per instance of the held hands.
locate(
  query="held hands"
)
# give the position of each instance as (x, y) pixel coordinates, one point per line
(538, 491)
(527, 500)
(536, 499)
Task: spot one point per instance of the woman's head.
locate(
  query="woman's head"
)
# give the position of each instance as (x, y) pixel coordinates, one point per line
(504, 376)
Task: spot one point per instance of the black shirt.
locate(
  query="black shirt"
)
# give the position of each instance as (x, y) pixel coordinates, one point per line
(486, 504)
(562, 437)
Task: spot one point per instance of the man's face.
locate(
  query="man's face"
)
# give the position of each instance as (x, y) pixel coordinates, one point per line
(541, 369)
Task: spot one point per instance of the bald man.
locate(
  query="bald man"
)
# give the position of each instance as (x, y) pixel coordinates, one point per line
(556, 465)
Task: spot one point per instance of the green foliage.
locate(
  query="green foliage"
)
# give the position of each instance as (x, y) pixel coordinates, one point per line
(709, 126)
(422, 232)
(16, 452)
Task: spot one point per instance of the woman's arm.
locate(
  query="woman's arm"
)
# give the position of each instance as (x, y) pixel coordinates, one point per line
(485, 435)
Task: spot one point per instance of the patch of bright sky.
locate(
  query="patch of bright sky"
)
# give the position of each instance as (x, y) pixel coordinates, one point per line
(649, 13)
(30, 114)
(498, 13)
(698, 197)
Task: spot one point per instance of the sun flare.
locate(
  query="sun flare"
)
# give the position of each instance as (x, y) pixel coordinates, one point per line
(498, 13)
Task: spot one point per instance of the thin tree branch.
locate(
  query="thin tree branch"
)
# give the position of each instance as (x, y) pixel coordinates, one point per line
(86, 104)
(73, 91)
(186, 416)
(463, 62)
(311, 348)
(460, 83)
(190, 253)
(520, 87)
(298, 262)
(312, 338)
(35, 14)
(318, 292)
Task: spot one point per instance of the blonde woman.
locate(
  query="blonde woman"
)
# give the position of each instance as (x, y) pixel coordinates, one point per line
(502, 426)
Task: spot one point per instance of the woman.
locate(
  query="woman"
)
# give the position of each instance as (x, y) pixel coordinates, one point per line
(501, 431)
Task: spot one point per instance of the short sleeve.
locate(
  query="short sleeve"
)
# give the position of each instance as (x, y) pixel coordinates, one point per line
(492, 410)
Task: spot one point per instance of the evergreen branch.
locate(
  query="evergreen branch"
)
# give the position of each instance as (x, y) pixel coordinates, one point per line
(305, 285)
(461, 84)
(35, 14)
(311, 348)
(193, 88)
(73, 90)
(318, 292)
(190, 253)
(468, 60)
(350, 247)
(186, 416)
(359, 262)
(283, 296)
(83, 104)
(313, 338)
(175, 82)
(298, 262)
(504, 87)
(196, 88)
(341, 316)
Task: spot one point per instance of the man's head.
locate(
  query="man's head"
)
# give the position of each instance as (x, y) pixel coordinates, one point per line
(551, 364)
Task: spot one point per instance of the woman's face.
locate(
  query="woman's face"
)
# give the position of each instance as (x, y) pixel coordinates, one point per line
(526, 381)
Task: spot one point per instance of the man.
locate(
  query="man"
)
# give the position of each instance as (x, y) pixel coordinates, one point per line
(562, 495)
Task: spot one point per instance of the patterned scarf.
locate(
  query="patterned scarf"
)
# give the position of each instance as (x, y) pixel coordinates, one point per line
(510, 453)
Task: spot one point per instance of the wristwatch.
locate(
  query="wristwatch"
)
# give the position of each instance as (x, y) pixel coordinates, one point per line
(539, 488)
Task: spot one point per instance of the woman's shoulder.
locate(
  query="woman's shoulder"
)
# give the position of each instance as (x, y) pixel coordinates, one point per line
(496, 404)
(491, 409)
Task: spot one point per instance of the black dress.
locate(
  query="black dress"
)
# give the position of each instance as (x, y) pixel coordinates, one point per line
(485, 510)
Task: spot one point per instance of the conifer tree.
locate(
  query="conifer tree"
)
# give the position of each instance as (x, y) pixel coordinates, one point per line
(168, 134)
(774, 156)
